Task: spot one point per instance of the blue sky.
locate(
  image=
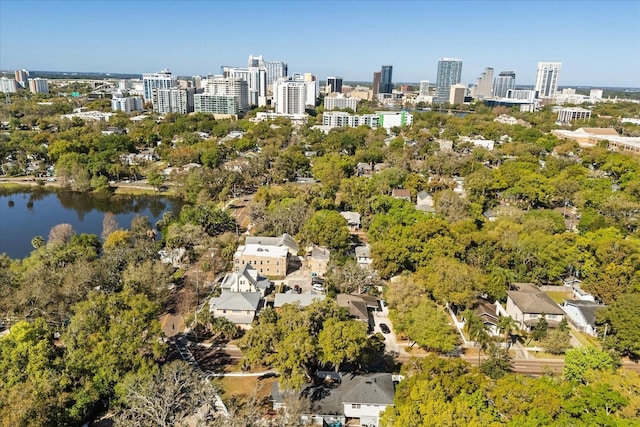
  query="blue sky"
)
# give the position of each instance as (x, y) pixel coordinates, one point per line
(598, 42)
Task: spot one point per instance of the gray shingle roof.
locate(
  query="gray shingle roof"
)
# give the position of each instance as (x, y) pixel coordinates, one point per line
(530, 299)
(587, 308)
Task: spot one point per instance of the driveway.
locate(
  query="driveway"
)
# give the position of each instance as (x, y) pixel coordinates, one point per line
(391, 345)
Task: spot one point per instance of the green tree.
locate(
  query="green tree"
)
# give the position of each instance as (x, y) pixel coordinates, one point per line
(578, 361)
(326, 228)
(109, 336)
(621, 319)
(428, 326)
(342, 341)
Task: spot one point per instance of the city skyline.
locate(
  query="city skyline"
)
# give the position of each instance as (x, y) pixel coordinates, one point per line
(66, 36)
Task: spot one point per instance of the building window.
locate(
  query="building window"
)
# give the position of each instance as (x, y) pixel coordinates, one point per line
(355, 406)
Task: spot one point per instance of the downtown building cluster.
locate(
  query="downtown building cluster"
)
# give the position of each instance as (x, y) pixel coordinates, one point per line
(262, 83)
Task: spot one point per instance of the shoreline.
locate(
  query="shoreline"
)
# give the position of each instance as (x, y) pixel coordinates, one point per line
(137, 187)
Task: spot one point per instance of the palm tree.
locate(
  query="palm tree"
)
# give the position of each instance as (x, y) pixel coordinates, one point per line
(477, 330)
(507, 325)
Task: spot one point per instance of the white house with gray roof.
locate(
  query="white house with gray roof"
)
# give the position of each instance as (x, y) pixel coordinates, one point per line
(246, 279)
(238, 307)
(353, 400)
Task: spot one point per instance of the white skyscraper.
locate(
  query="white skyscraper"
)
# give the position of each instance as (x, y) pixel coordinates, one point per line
(8, 85)
(160, 80)
(230, 86)
(290, 96)
(547, 79)
(127, 104)
(424, 88)
(173, 100)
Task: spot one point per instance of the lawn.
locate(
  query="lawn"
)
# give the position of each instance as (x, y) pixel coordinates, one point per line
(243, 387)
(559, 296)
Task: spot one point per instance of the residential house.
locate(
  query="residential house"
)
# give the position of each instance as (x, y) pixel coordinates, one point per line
(582, 315)
(353, 220)
(363, 169)
(283, 241)
(359, 306)
(401, 193)
(347, 399)
(363, 256)
(488, 312)
(246, 279)
(269, 261)
(424, 202)
(581, 294)
(238, 307)
(528, 304)
(303, 300)
(318, 261)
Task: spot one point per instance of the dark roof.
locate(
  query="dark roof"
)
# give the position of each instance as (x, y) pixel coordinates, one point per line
(376, 389)
(357, 307)
(328, 399)
(587, 308)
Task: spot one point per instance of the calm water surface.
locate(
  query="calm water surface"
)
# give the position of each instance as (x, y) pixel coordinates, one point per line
(25, 215)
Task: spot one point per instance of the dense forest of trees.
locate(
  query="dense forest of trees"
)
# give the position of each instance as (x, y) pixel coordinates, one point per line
(84, 308)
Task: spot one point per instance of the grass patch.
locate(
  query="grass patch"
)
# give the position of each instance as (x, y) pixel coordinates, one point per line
(586, 339)
(558, 296)
(545, 355)
(246, 386)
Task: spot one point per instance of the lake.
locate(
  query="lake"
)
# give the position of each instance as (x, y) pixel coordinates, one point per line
(24, 215)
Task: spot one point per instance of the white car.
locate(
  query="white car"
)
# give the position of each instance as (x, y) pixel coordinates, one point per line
(318, 287)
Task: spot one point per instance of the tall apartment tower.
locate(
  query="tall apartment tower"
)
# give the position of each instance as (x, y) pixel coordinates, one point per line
(547, 79)
(506, 80)
(376, 82)
(275, 70)
(290, 96)
(449, 74)
(160, 80)
(334, 84)
(38, 85)
(8, 85)
(386, 74)
(424, 88)
(229, 86)
(483, 86)
(22, 78)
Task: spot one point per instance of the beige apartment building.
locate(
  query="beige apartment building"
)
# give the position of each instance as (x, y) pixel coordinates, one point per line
(269, 261)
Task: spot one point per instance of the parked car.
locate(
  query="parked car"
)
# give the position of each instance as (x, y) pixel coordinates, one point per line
(384, 328)
(318, 287)
(315, 280)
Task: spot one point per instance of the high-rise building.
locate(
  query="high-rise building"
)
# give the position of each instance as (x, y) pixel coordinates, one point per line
(38, 85)
(456, 94)
(334, 84)
(484, 85)
(376, 82)
(449, 74)
(290, 96)
(424, 88)
(506, 80)
(22, 78)
(275, 70)
(160, 80)
(127, 104)
(255, 61)
(386, 75)
(547, 79)
(8, 85)
(229, 86)
(173, 100)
